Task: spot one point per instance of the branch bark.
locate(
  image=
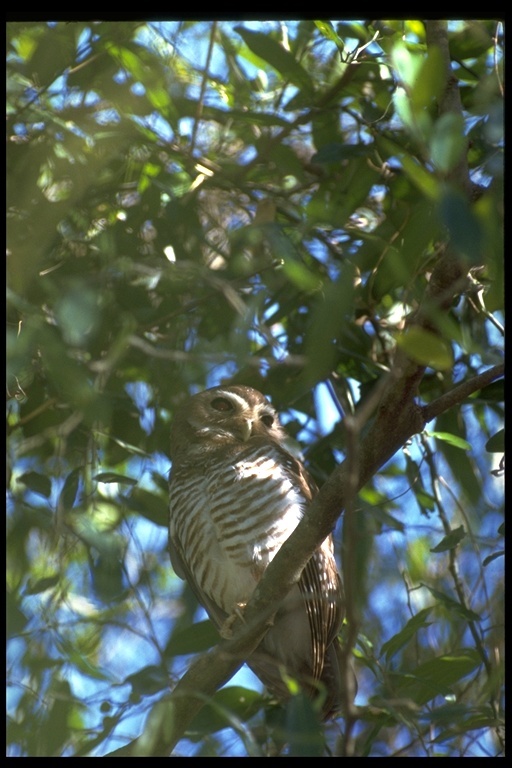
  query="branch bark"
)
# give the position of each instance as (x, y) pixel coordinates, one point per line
(461, 392)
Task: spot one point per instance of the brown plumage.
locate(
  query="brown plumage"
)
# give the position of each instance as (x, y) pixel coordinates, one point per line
(236, 494)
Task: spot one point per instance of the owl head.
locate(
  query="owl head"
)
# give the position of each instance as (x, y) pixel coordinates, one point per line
(224, 416)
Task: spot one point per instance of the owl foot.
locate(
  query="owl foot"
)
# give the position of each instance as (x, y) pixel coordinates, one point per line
(226, 631)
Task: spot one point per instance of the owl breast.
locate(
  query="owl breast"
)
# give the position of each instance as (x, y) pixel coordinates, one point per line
(229, 518)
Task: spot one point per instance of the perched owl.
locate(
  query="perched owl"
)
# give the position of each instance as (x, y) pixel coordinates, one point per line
(236, 494)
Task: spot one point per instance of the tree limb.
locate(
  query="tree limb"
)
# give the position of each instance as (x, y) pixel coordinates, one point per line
(463, 390)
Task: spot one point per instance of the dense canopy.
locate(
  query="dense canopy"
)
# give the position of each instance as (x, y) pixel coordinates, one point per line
(311, 208)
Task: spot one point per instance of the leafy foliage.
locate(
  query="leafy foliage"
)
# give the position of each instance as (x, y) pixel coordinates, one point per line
(266, 203)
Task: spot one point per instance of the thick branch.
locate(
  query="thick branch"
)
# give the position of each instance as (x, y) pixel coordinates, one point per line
(459, 393)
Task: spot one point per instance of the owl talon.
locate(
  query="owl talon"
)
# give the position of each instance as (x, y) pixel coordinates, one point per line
(226, 631)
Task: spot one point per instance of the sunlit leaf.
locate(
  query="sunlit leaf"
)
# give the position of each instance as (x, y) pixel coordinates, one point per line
(328, 31)
(426, 348)
(407, 64)
(277, 56)
(455, 440)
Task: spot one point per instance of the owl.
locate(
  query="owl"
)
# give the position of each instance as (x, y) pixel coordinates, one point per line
(236, 494)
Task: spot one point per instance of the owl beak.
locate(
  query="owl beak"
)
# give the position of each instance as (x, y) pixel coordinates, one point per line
(245, 429)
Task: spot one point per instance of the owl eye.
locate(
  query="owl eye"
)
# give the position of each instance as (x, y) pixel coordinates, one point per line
(221, 404)
(267, 420)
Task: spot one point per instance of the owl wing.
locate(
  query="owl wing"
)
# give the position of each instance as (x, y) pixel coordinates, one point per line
(319, 583)
(322, 601)
(181, 568)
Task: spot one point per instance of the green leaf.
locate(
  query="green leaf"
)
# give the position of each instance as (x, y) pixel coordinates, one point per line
(395, 643)
(149, 680)
(304, 729)
(37, 483)
(159, 98)
(407, 64)
(425, 500)
(453, 605)
(254, 118)
(283, 248)
(113, 477)
(425, 181)
(25, 45)
(327, 30)
(451, 540)
(455, 440)
(15, 619)
(425, 348)
(150, 505)
(300, 276)
(69, 491)
(335, 152)
(496, 443)
(494, 556)
(130, 61)
(278, 57)
(429, 83)
(230, 706)
(77, 658)
(462, 466)
(476, 722)
(471, 42)
(447, 142)
(492, 393)
(354, 29)
(327, 321)
(463, 226)
(436, 676)
(194, 639)
(41, 585)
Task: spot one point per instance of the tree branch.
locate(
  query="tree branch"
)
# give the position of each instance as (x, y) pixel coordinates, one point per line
(457, 395)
